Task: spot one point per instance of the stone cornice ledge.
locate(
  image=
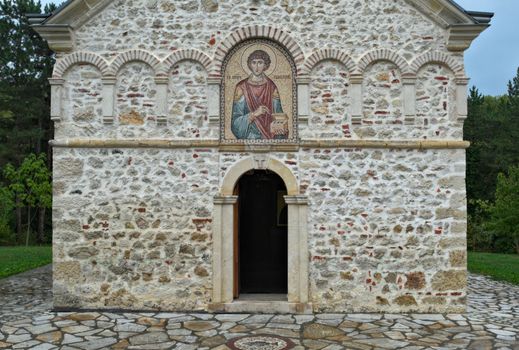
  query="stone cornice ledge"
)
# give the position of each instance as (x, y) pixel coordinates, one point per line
(133, 143)
(461, 36)
(398, 144)
(58, 36)
(304, 143)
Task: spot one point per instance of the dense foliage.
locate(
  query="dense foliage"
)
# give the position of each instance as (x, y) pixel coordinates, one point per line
(503, 220)
(493, 129)
(29, 186)
(25, 128)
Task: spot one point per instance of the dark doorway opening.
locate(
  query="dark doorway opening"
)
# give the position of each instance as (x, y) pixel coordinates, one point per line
(262, 233)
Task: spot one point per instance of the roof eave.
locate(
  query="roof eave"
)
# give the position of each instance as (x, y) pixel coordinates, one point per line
(443, 12)
(463, 26)
(462, 36)
(481, 17)
(76, 12)
(58, 36)
(58, 28)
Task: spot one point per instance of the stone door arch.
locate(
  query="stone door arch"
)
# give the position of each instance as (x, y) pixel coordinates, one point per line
(222, 294)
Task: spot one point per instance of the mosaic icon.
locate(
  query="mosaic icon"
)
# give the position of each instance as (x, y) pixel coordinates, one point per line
(258, 94)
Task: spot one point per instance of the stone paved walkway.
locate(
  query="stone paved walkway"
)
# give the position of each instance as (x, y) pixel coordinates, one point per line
(26, 323)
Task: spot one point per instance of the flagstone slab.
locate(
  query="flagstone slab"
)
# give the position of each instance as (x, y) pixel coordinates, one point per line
(198, 326)
(320, 331)
(492, 322)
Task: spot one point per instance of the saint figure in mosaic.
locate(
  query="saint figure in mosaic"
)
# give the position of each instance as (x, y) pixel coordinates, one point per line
(256, 102)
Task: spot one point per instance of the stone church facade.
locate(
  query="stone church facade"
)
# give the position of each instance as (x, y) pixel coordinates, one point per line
(369, 154)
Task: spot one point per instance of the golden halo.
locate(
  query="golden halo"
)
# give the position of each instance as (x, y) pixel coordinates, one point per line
(253, 47)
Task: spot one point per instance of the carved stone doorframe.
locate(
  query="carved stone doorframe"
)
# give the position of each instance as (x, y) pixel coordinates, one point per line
(223, 230)
(297, 249)
(223, 227)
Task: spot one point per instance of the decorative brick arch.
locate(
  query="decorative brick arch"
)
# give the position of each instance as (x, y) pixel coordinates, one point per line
(438, 57)
(258, 162)
(256, 31)
(184, 55)
(328, 54)
(383, 55)
(64, 64)
(134, 55)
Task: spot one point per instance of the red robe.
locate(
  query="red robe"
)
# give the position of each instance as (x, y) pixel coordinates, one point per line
(256, 96)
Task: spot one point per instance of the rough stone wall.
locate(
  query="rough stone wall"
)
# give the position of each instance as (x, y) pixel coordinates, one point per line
(132, 228)
(329, 99)
(82, 100)
(187, 103)
(386, 229)
(436, 103)
(162, 26)
(382, 101)
(329, 102)
(135, 99)
(135, 104)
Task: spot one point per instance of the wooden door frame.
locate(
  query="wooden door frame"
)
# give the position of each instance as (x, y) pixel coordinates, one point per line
(236, 245)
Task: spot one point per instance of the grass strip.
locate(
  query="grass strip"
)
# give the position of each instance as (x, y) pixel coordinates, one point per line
(14, 260)
(501, 267)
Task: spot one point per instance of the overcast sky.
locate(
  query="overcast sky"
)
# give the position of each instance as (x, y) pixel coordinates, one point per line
(493, 58)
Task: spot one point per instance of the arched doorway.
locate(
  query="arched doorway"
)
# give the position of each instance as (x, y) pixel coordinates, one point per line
(225, 252)
(261, 241)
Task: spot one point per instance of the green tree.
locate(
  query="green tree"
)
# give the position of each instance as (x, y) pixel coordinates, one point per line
(6, 214)
(478, 237)
(25, 65)
(513, 96)
(30, 184)
(504, 213)
(513, 86)
(492, 128)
